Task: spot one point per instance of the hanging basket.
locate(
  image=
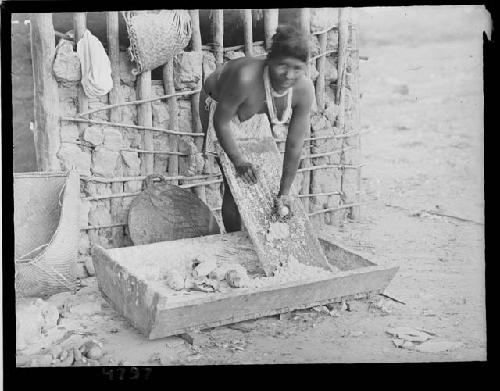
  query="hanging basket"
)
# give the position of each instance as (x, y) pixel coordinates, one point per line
(46, 230)
(155, 37)
(323, 19)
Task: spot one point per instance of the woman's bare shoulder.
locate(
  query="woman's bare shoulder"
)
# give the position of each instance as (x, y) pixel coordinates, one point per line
(238, 81)
(245, 71)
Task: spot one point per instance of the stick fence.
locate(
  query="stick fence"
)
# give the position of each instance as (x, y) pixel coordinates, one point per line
(338, 142)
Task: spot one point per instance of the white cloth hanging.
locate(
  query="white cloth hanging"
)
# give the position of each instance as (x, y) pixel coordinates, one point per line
(96, 68)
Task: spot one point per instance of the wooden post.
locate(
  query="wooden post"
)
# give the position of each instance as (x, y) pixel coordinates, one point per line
(46, 102)
(340, 92)
(168, 85)
(305, 25)
(354, 54)
(270, 25)
(342, 53)
(320, 103)
(355, 109)
(247, 27)
(195, 99)
(320, 81)
(79, 26)
(218, 38)
(145, 118)
(218, 33)
(115, 96)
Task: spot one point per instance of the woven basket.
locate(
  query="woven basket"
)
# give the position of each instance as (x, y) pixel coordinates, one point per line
(323, 19)
(156, 37)
(45, 257)
(167, 212)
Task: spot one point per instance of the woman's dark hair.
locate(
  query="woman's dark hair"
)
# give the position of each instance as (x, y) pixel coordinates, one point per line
(289, 41)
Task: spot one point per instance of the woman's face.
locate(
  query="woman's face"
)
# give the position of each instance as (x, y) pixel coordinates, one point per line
(285, 72)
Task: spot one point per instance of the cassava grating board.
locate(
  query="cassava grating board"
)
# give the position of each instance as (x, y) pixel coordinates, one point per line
(255, 202)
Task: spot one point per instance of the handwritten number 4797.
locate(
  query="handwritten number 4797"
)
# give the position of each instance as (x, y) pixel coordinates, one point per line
(130, 373)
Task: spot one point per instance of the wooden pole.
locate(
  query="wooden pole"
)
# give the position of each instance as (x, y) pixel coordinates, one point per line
(79, 26)
(195, 30)
(123, 195)
(115, 97)
(195, 99)
(46, 102)
(128, 126)
(168, 85)
(320, 100)
(342, 52)
(320, 81)
(137, 102)
(145, 118)
(328, 166)
(353, 84)
(124, 224)
(232, 48)
(333, 209)
(340, 92)
(305, 25)
(141, 178)
(270, 25)
(218, 33)
(247, 27)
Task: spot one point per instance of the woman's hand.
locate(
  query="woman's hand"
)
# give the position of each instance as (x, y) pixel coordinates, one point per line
(247, 171)
(284, 205)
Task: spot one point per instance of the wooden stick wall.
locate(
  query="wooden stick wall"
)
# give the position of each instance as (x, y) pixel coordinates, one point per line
(145, 98)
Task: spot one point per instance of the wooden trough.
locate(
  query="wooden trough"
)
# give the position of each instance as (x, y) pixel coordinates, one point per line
(128, 279)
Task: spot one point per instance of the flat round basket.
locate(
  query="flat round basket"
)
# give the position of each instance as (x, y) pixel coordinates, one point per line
(164, 212)
(46, 230)
(156, 37)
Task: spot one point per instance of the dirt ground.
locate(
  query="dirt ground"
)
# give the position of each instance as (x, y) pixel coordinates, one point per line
(423, 184)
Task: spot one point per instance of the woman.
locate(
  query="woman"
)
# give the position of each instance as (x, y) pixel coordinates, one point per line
(276, 85)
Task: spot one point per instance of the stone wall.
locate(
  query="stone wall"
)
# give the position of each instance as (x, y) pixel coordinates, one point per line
(103, 151)
(106, 152)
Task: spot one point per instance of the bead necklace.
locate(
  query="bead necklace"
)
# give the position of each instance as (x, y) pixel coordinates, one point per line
(271, 106)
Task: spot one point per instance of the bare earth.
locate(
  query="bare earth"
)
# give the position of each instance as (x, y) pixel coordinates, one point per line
(424, 153)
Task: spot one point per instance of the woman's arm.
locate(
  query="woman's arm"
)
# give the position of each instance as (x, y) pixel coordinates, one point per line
(231, 96)
(299, 124)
